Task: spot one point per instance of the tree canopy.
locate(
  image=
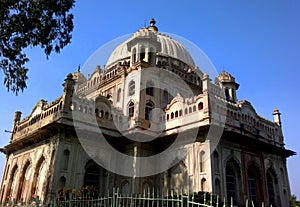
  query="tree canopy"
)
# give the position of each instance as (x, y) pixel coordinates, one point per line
(30, 23)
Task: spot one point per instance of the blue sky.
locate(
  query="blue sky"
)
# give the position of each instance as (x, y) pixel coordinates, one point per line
(256, 41)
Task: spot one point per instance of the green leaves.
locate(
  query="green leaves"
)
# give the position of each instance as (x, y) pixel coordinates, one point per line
(24, 23)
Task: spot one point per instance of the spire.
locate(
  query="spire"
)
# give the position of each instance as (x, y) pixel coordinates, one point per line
(152, 25)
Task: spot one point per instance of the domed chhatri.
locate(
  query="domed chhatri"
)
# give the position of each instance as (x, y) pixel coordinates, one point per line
(168, 46)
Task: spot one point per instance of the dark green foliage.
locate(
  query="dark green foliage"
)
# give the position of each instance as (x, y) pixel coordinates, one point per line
(294, 202)
(23, 23)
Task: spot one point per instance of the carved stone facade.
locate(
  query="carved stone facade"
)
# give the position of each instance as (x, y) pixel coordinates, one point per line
(247, 162)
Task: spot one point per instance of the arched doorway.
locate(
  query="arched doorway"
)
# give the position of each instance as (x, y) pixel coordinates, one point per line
(39, 178)
(24, 182)
(233, 181)
(12, 183)
(273, 188)
(254, 184)
(95, 177)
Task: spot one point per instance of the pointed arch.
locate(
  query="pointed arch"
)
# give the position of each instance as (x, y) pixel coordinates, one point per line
(142, 53)
(39, 177)
(216, 161)
(24, 180)
(202, 160)
(254, 183)
(148, 109)
(130, 109)
(91, 174)
(12, 183)
(95, 176)
(273, 187)
(233, 180)
(203, 185)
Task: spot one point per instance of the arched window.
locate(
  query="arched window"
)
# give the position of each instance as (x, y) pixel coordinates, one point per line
(66, 158)
(176, 114)
(194, 108)
(227, 93)
(142, 55)
(233, 182)
(254, 184)
(202, 159)
(39, 178)
(273, 188)
(216, 162)
(131, 109)
(180, 112)
(148, 108)
(119, 95)
(95, 176)
(12, 182)
(134, 55)
(270, 185)
(203, 185)
(172, 115)
(149, 88)
(190, 109)
(24, 182)
(131, 88)
(200, 106)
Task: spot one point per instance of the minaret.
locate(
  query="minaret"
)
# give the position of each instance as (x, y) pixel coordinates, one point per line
(17, 118)
(228, 84)
(68, 91)
(276, 115)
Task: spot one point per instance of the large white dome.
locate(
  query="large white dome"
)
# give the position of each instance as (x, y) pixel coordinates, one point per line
(169, 48)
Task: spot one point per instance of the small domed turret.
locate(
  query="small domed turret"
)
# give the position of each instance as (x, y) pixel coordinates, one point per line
(227, 82)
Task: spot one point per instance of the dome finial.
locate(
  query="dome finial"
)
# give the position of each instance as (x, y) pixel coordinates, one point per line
(152, 25)
(152, 22)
